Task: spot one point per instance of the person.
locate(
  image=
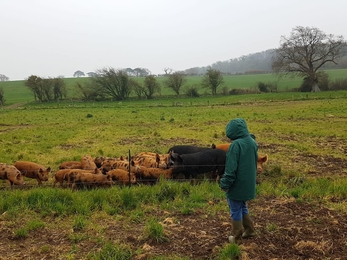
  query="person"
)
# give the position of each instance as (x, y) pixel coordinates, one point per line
(239, 178)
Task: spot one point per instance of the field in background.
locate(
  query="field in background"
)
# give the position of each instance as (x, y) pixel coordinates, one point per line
(16, 92)
(301, 194)
(54, 132)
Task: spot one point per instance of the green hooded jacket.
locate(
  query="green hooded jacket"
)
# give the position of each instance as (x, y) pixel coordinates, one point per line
(239, 178)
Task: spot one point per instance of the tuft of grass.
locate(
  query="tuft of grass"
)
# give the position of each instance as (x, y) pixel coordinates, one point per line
(21, 232)
(45, 249)
(155, 231)
(112, 251)
(30, 226)
(77, 237)
(230, 251)
(79, 223)
(271, 227)
(35, 224)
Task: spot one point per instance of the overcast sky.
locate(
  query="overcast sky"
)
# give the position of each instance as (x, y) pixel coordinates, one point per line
(51, 38)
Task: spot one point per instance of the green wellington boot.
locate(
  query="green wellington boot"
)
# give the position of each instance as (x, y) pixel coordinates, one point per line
(237, 228)
(249, 227)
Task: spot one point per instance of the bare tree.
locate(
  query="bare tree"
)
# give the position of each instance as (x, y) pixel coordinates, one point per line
(212, 79)
(4, 78)
(175, 81)
(305, 51)
(167, 71)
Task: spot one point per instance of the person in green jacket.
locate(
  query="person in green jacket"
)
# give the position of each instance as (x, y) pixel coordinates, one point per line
(239, 178)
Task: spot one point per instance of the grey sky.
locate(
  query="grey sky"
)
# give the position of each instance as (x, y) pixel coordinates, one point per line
(51, 38)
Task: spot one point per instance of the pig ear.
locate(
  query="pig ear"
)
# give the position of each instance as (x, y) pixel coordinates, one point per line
(18, 176)
(264, 158)
(48, 169)
(179, 158)
(40, 170)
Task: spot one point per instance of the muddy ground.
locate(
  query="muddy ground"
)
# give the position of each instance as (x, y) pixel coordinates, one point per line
(286, 229)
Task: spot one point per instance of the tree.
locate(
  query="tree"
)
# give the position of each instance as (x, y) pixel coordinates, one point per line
(59, 88)
(175, 81)
(137, 88)
(167, 71)
(141, 72)
(130, 71)
(114, 83)
(4, 78)
(305, 51)
(78, 74)
(2, 98)
(91, 74)
(151, 86)
(87, 91)
(34, 83)
(212, 79)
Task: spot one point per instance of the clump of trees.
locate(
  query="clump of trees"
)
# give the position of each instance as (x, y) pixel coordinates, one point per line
(46, 89)
(116, 84)
(267, 87)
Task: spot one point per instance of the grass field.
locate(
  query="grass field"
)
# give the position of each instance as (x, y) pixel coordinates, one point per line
(301, 195)
(16, 92)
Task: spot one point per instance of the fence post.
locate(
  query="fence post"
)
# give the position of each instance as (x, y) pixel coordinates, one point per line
(129, 167)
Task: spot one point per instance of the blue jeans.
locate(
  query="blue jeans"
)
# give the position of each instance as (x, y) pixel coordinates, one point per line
(238, 208)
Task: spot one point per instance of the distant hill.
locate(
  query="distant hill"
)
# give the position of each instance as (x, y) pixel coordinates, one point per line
(256, 63)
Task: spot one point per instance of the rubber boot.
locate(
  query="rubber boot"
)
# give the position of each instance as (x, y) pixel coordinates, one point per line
(248, 225)
(237, 228)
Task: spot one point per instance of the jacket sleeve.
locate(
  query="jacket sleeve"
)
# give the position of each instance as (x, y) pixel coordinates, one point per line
(231, 166)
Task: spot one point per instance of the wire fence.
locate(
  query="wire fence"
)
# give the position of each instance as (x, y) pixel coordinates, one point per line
(179, 176)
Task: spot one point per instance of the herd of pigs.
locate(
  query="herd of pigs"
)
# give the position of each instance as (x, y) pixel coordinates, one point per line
(181, 161)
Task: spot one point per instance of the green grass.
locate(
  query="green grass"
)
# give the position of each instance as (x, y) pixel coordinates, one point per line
(297, 130)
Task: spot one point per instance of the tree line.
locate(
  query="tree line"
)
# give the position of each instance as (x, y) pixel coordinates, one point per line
(109, 83)
(118, 85)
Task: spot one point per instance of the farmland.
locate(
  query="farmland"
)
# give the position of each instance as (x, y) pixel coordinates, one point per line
(16, 92)
(299, 212)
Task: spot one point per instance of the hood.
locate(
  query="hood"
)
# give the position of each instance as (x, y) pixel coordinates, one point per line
(236, 128)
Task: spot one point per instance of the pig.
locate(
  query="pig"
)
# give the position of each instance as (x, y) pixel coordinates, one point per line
(121, 176)
(87, 162)
(71, 165)
(33, 170)
(89, 180)
(11, 174)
